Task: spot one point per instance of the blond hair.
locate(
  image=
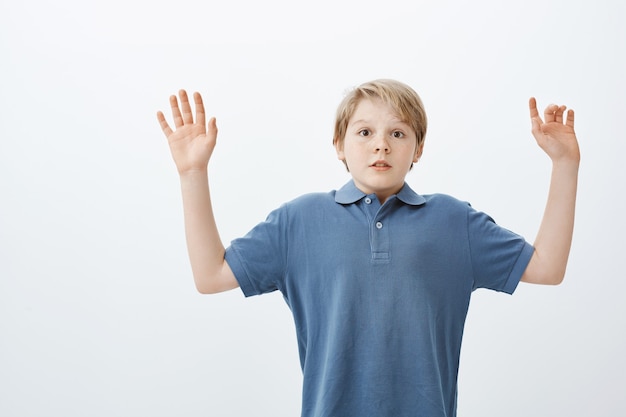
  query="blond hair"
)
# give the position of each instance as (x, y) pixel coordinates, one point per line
(402, 99)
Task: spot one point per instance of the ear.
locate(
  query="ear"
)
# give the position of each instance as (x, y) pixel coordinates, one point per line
(418, 152)
(339, 149)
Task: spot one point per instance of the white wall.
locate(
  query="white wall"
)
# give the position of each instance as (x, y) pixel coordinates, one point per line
(98, 313)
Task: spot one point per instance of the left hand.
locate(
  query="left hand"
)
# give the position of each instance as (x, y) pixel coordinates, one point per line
(555, 135)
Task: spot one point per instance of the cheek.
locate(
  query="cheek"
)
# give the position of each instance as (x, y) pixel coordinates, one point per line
(349, 149)
(409, 149)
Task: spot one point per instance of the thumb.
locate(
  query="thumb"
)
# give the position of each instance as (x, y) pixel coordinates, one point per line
(212, 128)
(535, 125)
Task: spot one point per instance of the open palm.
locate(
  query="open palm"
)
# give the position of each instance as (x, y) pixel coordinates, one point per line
(191, 142)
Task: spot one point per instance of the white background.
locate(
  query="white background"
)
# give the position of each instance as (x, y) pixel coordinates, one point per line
(98, 312)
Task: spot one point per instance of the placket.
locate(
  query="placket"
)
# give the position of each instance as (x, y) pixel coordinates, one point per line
(378, 229)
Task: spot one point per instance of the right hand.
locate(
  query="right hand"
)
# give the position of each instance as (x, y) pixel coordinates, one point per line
(555, 134)
(191, 143)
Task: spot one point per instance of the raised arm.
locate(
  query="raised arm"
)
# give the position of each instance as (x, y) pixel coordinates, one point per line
(191, 144)
(556, 136)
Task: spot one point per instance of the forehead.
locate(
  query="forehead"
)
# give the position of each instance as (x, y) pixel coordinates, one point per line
(374, 109)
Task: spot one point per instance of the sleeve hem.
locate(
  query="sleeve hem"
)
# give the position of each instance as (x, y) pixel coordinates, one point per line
(236, 265)
(518, 269)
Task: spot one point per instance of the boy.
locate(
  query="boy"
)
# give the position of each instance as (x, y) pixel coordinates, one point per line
(378, 278)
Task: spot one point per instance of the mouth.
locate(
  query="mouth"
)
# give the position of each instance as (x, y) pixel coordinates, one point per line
(380, 164)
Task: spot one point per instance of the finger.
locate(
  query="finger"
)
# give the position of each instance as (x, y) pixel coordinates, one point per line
(200, 117)
(570, 118)
(532, 105)
(178, 118)
(536, 126)
(558, 115)
(184, 103)
(549, 113)
(212, 128)
(167, 130)
(534, 114)
(535, 119)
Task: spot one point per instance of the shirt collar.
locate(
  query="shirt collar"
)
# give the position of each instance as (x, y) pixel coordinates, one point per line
(349, 194)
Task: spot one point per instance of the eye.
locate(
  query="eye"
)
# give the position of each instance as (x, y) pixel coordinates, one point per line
(364, 132)
(397, 134)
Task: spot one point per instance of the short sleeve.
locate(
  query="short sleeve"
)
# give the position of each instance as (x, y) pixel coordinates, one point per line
(499, 256)
(258, 260)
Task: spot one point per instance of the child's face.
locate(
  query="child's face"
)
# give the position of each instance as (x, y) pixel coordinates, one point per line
(378, 149)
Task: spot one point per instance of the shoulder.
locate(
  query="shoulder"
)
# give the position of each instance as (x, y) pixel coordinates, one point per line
(444, 201)
(307, 205)
(309, 200)
(313, 198)
(449, 207)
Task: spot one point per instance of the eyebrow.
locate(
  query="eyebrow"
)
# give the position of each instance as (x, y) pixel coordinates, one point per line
(363, 121)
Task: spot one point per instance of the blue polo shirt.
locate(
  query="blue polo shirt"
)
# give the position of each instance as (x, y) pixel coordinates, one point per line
(379, 294)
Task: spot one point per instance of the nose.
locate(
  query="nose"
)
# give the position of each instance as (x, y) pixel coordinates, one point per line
(381, 144)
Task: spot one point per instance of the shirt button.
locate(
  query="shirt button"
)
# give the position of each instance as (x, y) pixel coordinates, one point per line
(379, 225)
(368, 200)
